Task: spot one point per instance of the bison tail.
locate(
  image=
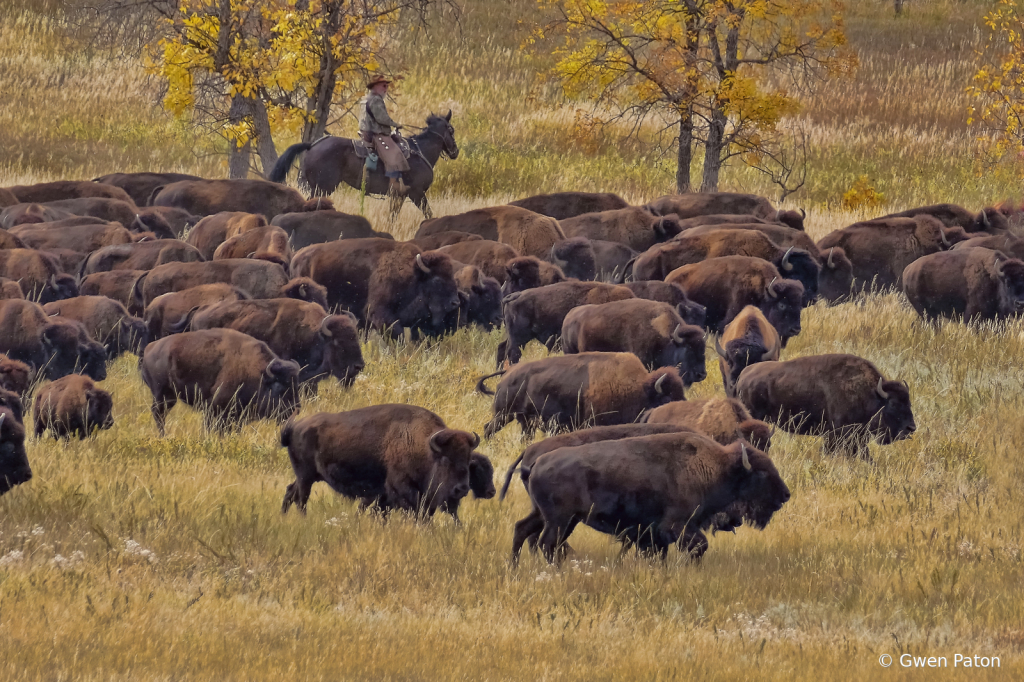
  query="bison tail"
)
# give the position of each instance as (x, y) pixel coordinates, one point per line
(183, 324)
(508, 476)
(286, 433)
(284, 164)
(627, 271)
(481, 388)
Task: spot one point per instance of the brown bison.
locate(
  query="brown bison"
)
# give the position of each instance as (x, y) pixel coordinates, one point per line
(843, 397)
(39, 274)
(169, 312)
(14, 466)
(481, 484)
(575, 258)
(436, 241)
(529, 233)
(230, 376)
(539, 313)
(119, 285)
(633, 226)
(105, 320)
(718, 220)
(571, 391)
(9, 241)
(51, 346)
(67, 189)
(10, 289)
(749, 338)
(269, 243)
(30, 214)
(481, 303)
(114, 210)
(610, 259)
(83, 238)
(388, 285)
(214, 230)
(714, 203)
(989, 219)
(140, 256)
(652, 331)
(673, 294)
(15, 376)
(723, 420)
(529, 272)
(1010, 245)
(392, 456)
(975, 284)
(179, 219)
(491, 257)
(725, 286)
(880, 250)
(323, 345)
(140, 186)
(649, 492)
(562, 205)
(317, 227)
(72, 406)
(206, 197)
(7, 198)
(262, 279)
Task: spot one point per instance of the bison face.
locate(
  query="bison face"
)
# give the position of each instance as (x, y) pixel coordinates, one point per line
(59, 288)
(132, 337)
(692, 313)
(343, 357)
(685, 351)
(990, 219)
(575, 257)
(92, 359)
(481, 477)
(760, 491)
(484, 307)
(782, 305)
(151, 221)
(279, 391)
(452, 452)
(100, 410)
(794, 219)
(798, 265)
(15, 376)
(305, 289)
(14, 467)
(663, 386)
(895, 421)
(60, 344)
(836, 277)
(1011, 272)
(739, 354)
(10, 401)
(666, 228)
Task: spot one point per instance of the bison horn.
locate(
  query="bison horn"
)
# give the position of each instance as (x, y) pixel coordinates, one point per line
(773, 354)
(476, 440)
(719, 349)
(270, 369)
(53, 281)
(786, 265)
(677, 335)
(771, 290)
(881, 391)
(831, 265)
(942, 235)
(659, 382)
(803, 214)
(985, 219)
(324, 331)
(999, 267)
(777, 214)
(746, 460)
(555, 259)
(421, 265)
(434, 445)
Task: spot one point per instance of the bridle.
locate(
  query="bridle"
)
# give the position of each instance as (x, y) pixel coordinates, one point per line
(444, 145)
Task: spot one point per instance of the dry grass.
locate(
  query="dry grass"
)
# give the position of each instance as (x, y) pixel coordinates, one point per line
(133, 557)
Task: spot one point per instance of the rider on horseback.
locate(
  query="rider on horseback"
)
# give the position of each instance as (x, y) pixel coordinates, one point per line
(375, 129)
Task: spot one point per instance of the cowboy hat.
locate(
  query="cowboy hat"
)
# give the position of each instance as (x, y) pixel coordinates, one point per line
(380, 78)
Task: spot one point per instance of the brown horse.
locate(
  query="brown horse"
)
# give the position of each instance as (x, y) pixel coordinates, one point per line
(331, 161)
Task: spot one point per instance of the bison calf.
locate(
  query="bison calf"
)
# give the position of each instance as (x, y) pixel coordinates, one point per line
(72, 406)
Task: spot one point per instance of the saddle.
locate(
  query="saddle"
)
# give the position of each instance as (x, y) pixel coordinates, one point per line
(365, 149)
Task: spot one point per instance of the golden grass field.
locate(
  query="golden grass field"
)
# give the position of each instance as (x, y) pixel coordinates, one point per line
(138, 558)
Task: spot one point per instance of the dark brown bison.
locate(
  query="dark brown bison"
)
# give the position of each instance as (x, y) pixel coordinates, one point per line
(269, 243)
(29, 214)
(529, 272)
(843, 397)
(317, 227)
(262, 279)
(610, 259)
(673, 294)
(436, 241)
(725, 286)
(213, 230)
(15, 376)
(119, 285)
(975, 284)
(539, 313)
(206, 197)
(72, 406)
(106, 320)
(1010, 245)
(67, 189)
(989, 219)
(562, 205)
(649, 492)
(83, 238)
(581, 437)
(529, 233)
(714, 203)
(782, 235)
(70, 261)
(633, 226)
(323, 345)
(127, 213)
(720, 219)
(652, 331)
(491, 257)
(388, 285)
(749, 338)
(230, 376)
(140, 256)
(39, 274)
(51, 346)
(575, 258)
(179, 219)
(10, 289)
(481, 295)
(880, 250)
(14, 466)
(9, 241)
(392, 456)
(481, 484)
(140, 186)
(168, 312)
(723, 420)
(573, 391)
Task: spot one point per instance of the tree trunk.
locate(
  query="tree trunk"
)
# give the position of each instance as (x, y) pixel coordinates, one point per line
(713, 151)
(315, 127)
(684, 156)
(262, 135)
(238, 161)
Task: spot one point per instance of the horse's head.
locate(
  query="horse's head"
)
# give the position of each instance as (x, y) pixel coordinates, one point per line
(442, 127)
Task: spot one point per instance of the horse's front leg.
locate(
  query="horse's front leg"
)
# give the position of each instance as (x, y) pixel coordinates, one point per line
(424, 206)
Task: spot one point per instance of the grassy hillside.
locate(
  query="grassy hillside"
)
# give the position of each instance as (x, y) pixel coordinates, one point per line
(133, 557)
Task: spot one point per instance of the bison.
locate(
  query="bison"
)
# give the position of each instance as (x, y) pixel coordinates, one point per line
(989, 219)
(68, 189)
(83, 238)
(529, 272)
(261, 279)
(570, 391)
(749, 338)
(51, 346)
(529, 233)
(481, 484)
(610, 259)
(392, 456)
(317, 227)
(843, 397)
(723, 420)
(169, 313)
(974, 283)
(14, 465)
(140, 186)
(119, 285)
(724, 286)
(39, 274)
(10, 289)
(673, 294)
(269, 243)
(562, 205)
(713, 203)
(72, 406)
(214, 230)
(481, 303)
(140, 256)
(491, 257)
(633, 226)
(1010, 245)
(206, 197)
(652, 331)
(114, 210)
(105, 320)
(15, 376)
(230, 376)
(576, 258)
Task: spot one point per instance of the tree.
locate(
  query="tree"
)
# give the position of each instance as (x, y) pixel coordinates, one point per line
(998, 86)
(721, 73)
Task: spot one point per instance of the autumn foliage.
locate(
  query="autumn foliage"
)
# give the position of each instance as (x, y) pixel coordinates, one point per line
(998, 85)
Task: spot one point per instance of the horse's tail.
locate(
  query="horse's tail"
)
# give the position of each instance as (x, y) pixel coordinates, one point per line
(284, 163)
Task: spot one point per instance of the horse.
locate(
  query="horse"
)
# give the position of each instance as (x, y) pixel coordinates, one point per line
(332, 160)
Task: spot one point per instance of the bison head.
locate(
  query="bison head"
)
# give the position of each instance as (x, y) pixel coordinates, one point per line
(685, 351)
(759, 489)
(305, 289)
(58, 288)
(279, 390)
(991, 219)
(529, 272)
(438, 294)
(14, 467)
(798, 265)
(576, 258)
(343, 357)
(691, 312)
(100, 409)
(483, 298)
(149, 220)
(757, 433)
(15, 376)
(9, 400)
(894, 419)
(739, 354)
(481, 477)
(663, 386)
(1011, 272)
(61, 345)
(836, 276)
(666, 227)
(782, 304)
(451, 451)
(794, 219)
(132, 337)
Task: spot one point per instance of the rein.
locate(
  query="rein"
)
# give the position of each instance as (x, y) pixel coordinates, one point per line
(419, 150)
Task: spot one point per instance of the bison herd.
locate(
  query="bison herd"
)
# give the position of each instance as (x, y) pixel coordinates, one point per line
(236, 295)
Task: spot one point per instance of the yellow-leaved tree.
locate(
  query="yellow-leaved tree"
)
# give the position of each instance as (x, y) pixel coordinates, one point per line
(721, 74)
(998, 86)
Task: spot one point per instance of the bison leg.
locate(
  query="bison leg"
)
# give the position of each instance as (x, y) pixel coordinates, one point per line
(527, 529)
(161, 406)
(553, 539)
(298, 494)
(496, 424)
(694, 544)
